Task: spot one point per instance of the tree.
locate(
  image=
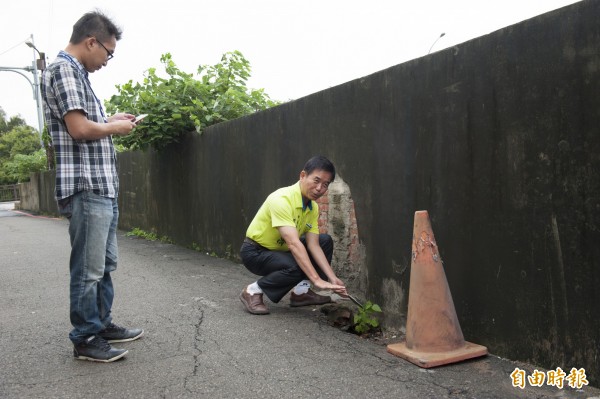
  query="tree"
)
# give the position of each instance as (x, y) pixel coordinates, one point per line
(180, 103)
(7, 125)
(19, 150)
(20, 140)
(17, 169)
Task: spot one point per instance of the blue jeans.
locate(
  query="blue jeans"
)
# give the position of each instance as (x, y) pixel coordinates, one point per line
(93, 231)
(279, 269)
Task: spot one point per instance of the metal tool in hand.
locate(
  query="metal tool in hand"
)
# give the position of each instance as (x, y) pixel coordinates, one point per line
(353, 299)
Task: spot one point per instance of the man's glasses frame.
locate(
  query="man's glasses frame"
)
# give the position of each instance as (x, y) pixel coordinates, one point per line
(109, 54)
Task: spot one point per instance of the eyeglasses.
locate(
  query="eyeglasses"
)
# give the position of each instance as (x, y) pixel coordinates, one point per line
(109, 54)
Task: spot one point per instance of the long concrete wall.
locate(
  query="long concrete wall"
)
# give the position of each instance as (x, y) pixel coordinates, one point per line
(38, 194)
(498, 138)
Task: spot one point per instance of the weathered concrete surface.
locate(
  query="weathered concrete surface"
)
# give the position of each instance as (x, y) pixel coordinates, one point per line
(38, 194)
(199, 342)
(498, 138)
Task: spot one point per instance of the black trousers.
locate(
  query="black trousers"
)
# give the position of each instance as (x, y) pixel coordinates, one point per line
(279, 269)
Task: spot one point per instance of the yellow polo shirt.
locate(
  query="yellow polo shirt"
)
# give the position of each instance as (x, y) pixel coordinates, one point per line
(283, 208)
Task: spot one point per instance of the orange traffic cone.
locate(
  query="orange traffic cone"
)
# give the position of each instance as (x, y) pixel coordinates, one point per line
(433, 335)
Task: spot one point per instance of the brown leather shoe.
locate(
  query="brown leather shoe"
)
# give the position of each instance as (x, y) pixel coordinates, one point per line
(310, 298)
(253, 303)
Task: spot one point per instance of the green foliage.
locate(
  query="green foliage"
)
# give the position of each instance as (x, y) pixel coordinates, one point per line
(10, 124)
(47, 140)
(137, 232)
(18, 168)
(19, 140)
(364, 320)
(228, 251)
(20, 152)
(196, 247)
(181, 103)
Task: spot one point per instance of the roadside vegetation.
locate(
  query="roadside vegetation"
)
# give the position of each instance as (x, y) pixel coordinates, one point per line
(365, 319)
(176, 102)
(137, 232)
(20, 150)
(183, 102)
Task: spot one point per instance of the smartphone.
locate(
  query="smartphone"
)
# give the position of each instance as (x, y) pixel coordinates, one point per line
(139, 118)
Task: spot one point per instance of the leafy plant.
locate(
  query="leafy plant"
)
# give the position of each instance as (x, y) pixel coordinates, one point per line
(181, 103)
(20, 166)
(20, 152)
(50, 156)
(137, 232)
(196, 247)
(364, 320)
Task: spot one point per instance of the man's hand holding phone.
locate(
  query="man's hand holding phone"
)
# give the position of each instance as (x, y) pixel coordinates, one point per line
(139, 118)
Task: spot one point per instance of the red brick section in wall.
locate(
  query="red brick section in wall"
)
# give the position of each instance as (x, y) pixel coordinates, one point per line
(351, 253)
(323, 213)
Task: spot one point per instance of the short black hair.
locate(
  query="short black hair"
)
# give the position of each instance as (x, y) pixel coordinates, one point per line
(94, 23)
(319, 162)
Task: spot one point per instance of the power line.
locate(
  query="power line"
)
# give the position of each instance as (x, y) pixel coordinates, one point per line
(15, 46)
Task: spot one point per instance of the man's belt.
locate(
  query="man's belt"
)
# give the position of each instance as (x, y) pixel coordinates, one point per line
(252, 242)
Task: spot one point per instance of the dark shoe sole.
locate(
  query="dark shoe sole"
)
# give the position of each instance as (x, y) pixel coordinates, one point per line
(91, 359)
(110, 341)
(247, 307)
(299, 304)
(308, 303)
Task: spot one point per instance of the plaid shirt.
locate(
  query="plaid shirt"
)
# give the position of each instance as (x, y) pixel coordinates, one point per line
(81, 165)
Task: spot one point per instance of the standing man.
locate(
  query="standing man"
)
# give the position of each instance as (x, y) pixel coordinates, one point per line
(284, 246)
(87, 183)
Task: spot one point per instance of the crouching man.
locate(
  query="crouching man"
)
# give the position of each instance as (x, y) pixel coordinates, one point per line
(283, 244)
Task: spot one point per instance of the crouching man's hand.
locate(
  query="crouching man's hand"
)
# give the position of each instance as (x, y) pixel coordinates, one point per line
(336, 286)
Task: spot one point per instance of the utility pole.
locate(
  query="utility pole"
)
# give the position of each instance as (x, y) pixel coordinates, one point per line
(37, 64)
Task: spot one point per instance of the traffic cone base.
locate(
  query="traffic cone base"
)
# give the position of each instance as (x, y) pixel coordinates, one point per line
(433, 359)
(433, 333)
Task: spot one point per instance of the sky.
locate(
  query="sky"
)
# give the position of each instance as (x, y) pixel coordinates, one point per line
(295, 47)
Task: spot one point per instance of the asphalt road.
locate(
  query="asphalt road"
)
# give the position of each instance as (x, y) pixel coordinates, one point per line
(199, 342)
